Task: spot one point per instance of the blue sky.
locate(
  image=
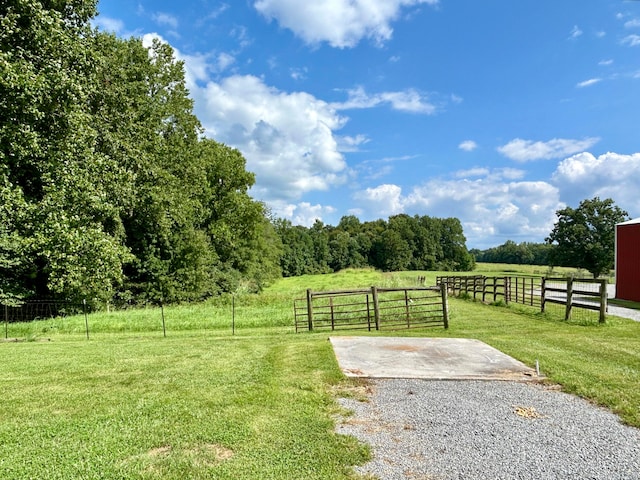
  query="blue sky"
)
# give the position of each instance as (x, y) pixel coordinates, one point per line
(497, 112)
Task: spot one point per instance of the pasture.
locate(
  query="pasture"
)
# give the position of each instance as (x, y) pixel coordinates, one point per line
(256, 402)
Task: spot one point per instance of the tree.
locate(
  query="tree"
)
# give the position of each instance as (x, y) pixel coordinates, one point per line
(584, 237)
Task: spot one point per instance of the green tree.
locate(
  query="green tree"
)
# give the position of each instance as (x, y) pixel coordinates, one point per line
(46, 153)
(584, 237)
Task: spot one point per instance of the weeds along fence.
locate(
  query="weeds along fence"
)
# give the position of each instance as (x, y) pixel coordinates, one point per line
(372, 309)
(34, 319)
(586, 294)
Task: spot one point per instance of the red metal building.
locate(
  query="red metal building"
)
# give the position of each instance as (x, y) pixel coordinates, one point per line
(628, 260)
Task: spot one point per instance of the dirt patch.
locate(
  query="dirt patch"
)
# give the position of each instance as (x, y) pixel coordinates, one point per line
(159, 451)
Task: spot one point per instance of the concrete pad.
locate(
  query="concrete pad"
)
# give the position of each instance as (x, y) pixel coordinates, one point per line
(431, 358)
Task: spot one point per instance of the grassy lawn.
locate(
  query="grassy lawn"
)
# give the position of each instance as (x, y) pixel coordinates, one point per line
(259, 403)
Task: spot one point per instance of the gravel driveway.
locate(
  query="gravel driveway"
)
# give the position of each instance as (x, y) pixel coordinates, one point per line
(429, 429)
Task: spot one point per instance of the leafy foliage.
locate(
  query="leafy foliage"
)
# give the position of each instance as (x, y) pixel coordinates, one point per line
(401, 243)
(585, 236)
(109, 189)
(525, 253)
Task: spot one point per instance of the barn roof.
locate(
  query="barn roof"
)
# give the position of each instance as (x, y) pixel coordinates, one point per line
(629, 222)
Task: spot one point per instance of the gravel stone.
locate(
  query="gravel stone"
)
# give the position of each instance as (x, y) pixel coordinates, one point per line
(441, 430)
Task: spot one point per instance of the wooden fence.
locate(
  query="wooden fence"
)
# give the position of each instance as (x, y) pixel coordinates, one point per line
(372, 309)
(588, 294)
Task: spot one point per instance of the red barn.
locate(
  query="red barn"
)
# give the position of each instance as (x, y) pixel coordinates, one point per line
(628, 260)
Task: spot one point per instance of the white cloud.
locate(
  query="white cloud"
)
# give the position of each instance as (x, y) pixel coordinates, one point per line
(341, 23)
(109, 24)
(575, 32)
(165, 19)
(472, 172)
(631, 40)
(490, 209)
(287, 138)
(611, 175)
(634, 23)
(408, 101)
(298, 73)
(225, 61)
(527, 150)
(384, 200)
(302, 213)
(351, 144)
(588, 83)
(468, 146)
(605, 63)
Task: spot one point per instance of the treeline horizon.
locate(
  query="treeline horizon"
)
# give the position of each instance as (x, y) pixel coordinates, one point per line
(400, 243)
(524, 253)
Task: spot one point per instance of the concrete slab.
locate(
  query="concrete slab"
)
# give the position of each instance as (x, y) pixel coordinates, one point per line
(431, 358)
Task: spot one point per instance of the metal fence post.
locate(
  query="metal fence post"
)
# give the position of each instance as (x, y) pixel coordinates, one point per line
(309, 309)
(376, 306)
(445, 305)
(86, 320)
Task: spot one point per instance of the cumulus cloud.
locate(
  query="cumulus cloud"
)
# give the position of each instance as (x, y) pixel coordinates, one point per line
(611, 175)
(468, 146)
(409, 100)
(490, 209)
(384, 200)
(341, 23)
(287, 138)
(527, 150)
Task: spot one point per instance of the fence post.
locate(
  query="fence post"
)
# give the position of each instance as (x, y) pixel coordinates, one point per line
(507, 290)
(86, 320)
(484, 288)
(309, 309)
(543, 296)
(406, 307)
(376, 306)
(164, 328)
(567, 312)
(368, 314)
(603, 300)
(333, 321)
(445, 305)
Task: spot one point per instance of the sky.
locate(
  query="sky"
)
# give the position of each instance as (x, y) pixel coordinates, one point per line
(497, 112)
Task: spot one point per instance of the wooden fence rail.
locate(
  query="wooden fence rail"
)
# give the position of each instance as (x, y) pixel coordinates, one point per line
(372, 309)
(590, 294)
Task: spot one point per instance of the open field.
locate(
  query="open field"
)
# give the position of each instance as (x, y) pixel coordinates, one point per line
(203, 403)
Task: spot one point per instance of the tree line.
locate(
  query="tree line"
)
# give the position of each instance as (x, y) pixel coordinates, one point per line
(109, 190)
(402, 242)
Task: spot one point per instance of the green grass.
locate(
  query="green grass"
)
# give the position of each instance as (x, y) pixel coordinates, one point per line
(175, 408)
(206, 403)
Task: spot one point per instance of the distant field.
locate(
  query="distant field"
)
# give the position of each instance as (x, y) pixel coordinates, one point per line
(205, 403)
